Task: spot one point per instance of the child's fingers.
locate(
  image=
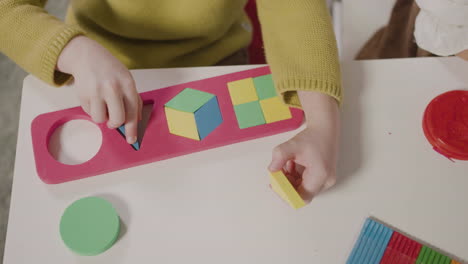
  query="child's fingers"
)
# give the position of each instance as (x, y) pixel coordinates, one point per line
(331, 180)
(86, 105)
(281, 155)
(116, 109)
(98, 111)
(290, 166)
(299, 168)
(292, 174)
(131, 120)
(131, 131)
(140, 108)
(313, 180)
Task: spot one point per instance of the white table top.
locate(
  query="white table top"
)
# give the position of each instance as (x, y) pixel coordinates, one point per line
(216, 206)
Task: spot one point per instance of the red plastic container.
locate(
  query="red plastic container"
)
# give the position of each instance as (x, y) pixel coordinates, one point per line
(445, 124)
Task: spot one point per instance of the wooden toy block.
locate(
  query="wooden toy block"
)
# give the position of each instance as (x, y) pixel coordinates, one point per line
(136, 145)
(275, 110)
(193, 114)
(281, 185)
(249, 115)
(242, 91)
(265, 86)
(181, 123)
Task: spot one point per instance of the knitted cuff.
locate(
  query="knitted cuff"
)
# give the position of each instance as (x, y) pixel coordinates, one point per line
(289, 87)
(55, 46)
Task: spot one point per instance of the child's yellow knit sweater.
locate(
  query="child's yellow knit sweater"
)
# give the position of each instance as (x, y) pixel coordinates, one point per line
(299, 41)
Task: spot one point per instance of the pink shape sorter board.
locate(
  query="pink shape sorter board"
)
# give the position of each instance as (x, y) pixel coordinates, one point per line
(158, 144)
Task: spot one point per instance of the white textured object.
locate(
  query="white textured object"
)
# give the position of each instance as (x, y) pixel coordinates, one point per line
(441, 27)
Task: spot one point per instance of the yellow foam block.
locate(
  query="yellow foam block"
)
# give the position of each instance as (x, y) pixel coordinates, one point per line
(242, 91)
(275, 110)
(181, 123)
(281, 185)
(277, 189)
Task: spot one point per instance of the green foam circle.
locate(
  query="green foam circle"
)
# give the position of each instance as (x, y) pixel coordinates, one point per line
(89, 226)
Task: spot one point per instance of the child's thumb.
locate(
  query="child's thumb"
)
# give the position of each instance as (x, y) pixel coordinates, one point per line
(281, 155)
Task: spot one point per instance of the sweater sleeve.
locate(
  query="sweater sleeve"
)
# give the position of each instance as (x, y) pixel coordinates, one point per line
(34, 39)
(300, 47)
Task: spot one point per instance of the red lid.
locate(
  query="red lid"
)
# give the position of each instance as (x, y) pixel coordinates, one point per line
(445, 124)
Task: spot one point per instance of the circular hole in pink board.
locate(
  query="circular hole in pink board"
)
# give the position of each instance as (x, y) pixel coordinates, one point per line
(75, 142)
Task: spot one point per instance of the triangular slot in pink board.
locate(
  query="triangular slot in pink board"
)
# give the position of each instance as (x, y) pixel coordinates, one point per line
(145, 118)
(142, 125)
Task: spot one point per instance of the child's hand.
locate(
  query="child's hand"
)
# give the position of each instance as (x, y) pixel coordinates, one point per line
(309, 159)
(105, 87)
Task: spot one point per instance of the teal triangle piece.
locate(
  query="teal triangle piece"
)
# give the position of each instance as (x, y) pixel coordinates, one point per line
(121, 130)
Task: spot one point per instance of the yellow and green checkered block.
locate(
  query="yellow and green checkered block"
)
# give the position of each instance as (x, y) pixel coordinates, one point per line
(193, 114)
(256, 102)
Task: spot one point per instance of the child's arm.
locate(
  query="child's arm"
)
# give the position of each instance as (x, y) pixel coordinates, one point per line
(300, 47)
(313, 151)
(302, 53)
(34, 39)
(54, 51)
